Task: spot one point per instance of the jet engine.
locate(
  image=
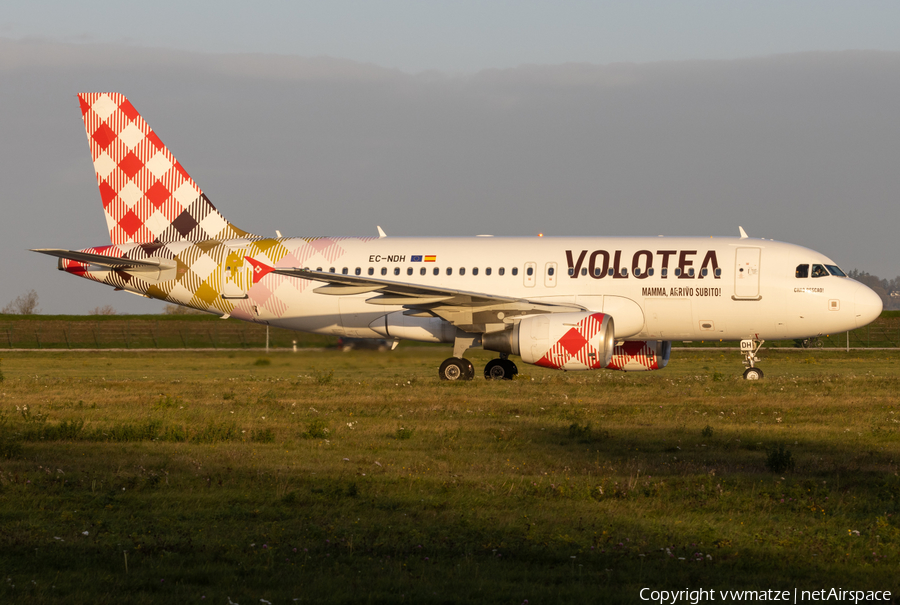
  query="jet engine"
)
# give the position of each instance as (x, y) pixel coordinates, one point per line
(564, 341)
(640, 355)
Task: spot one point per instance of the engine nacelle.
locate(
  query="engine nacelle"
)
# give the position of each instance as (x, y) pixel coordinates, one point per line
(564, 341)
(641, 355)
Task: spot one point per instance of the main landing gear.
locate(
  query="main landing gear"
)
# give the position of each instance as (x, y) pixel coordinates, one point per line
(749, 348)
(500, 369)
(456, 368)
(460, 368)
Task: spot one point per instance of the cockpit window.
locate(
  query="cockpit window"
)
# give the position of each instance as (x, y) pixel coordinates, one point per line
(802, 271)
(835, 270)
(819, 271)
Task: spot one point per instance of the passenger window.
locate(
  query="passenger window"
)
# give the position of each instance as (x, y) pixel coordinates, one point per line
(596, 271)
(422, 271)
(691, 271)
(677, 271)
(819, 271)
(358, 271)
(802, 271)
(611, 272)
(501, 271)
(530, 271)
(718, 273)
(550, 271)
(449, 271)
(704, 271)
(474, 270)
(624, 272)
(318, 268)
(515, 270)
(396, 270)
(371, 271)
(583, 271)
(437, 271)
(409, 270)
(344, 270)
(571, 271)
(331, 270)
(650, 271)
(462, 270)
(487, 270)
(664, 272)
(384, 270)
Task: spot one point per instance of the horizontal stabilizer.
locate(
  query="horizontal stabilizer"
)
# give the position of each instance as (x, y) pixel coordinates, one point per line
(108, 261)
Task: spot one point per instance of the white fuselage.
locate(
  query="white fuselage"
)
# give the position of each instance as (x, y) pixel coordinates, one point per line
(685, 288)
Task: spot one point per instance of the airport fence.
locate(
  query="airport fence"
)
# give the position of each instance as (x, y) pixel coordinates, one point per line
(147, 332)
(208, 332)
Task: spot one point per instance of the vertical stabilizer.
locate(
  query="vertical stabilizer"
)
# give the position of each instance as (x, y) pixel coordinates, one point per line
(147, 195)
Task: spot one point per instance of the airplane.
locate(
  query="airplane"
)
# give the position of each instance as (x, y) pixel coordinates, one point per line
(569, 303)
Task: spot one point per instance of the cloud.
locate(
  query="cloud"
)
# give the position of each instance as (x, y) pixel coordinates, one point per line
(798, 147)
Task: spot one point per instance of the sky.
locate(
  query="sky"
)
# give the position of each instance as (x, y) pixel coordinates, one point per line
(461, 118)
(468, 35)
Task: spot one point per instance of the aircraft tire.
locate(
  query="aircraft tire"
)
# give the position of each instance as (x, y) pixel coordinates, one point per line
(455, 368)
(753, 374)
(470, 369)
(513, 371)
(500, 369)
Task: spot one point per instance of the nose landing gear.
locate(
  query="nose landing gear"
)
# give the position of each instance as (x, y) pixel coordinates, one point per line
(749, 348)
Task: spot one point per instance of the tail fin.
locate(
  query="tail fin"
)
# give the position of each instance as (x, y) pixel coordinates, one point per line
(147, 195)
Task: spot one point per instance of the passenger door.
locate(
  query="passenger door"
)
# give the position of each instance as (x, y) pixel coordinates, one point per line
(746, 273)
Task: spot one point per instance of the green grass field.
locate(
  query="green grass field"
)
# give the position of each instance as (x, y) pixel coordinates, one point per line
(328, 477)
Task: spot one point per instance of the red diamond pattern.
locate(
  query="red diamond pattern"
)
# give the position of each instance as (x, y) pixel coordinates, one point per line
(130, 165)
(106, 116)
(104, 136)
(157, 194)
(107, 194)
(130, 223)
(574, 347)
(573, 341)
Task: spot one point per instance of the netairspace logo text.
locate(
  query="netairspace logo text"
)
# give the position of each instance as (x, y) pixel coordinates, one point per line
(699, 595)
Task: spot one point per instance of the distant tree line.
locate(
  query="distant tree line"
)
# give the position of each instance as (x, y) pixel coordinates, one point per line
(887, 289)
(27, 304)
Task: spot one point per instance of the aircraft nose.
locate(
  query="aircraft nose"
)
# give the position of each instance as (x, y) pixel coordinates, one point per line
(867, 305)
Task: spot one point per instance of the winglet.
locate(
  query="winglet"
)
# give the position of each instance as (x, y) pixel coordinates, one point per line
(381, 232)
(743, 233)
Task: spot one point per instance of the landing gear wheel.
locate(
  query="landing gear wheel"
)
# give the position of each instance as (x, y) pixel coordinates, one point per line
(753, 374)
(513, 370)
(455, 368)
(500, 369)
(470, 369)
(749, 348)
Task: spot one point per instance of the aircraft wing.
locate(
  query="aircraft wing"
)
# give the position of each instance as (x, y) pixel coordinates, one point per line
(470, 311)
(108, 261)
